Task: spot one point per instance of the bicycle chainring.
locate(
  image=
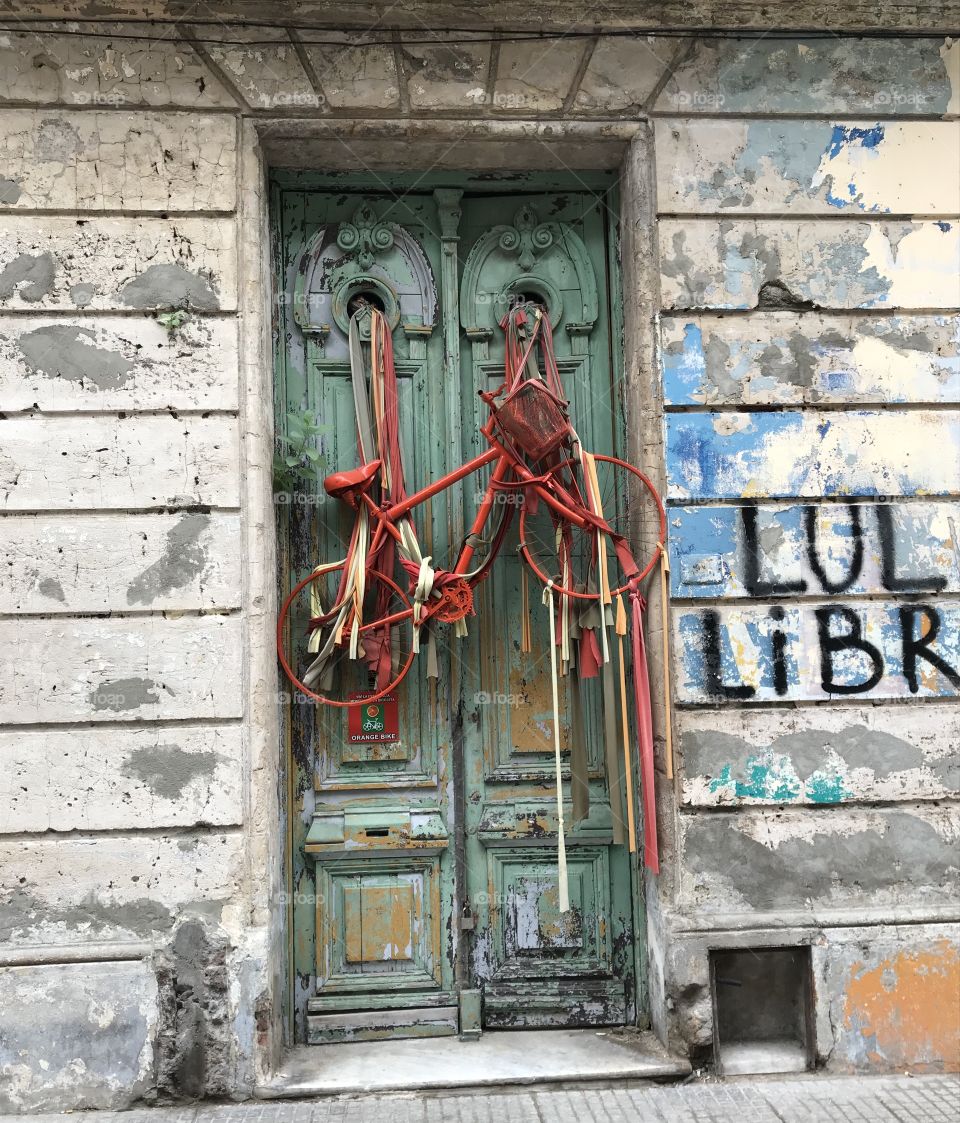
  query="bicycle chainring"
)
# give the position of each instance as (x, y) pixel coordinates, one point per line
(456, 601)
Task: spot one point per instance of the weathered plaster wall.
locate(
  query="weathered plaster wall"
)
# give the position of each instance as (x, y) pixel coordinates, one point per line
(810, 289)
(139, 855)
(140, 864)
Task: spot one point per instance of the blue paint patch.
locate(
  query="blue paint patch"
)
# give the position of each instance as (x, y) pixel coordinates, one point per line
(684, 369)
(843, 135)
(715, 533)
(797, 455)
(693, 455)
(700, 532)
(840, 380)
(945, 226)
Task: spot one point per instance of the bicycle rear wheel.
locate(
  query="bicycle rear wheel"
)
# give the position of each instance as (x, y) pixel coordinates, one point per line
(385, 637)
(558, 550)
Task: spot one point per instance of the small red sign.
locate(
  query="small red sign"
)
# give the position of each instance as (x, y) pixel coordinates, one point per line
(373, 721)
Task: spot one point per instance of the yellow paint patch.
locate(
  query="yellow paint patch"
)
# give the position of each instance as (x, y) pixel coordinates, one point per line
(907, 1010)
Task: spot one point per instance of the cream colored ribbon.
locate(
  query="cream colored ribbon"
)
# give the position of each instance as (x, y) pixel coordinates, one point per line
(561, 845)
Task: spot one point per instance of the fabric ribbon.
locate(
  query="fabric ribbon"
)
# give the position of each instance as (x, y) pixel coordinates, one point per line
(641, 698)
(564, 888)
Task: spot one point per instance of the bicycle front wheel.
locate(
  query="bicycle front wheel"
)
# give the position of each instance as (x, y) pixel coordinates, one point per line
(558, 550)
(317, 624)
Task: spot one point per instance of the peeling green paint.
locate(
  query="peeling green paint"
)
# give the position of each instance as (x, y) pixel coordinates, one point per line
(825, 789)
(767, 777)
(772, 777)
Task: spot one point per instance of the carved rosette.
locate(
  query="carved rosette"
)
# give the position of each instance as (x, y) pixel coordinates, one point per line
(527, 238)
(365, 236)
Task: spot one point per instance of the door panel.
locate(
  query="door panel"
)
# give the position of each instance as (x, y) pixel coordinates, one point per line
(535, 965)
(398, 905)
(372, 851)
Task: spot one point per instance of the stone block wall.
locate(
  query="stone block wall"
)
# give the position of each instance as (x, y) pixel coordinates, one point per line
(804, 241)
(134, 958)
(810, 358)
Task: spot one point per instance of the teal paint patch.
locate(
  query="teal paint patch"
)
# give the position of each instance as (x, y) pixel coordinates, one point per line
(765, 778)
(722, 780)
(825, 789)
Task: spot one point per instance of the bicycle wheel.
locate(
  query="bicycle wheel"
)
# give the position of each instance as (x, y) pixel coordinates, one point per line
(386, 635)
(558, 550)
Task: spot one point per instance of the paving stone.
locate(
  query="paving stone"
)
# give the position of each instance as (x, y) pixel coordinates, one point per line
(810, 1099)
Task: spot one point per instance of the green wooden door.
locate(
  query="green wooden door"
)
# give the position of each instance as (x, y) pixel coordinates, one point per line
(372, 837)
(426, 867)
(537, 966)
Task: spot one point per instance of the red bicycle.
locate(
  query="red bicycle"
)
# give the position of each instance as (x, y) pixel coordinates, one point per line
(574, 523)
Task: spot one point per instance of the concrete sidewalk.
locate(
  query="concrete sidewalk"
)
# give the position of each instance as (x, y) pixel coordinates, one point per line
(808, 1099)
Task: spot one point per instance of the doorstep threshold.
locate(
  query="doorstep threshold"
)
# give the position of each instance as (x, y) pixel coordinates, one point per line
(497, 1058)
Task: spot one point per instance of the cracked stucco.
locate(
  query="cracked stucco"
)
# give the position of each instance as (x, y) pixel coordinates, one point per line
(101, 558)
(117, 362)
(44, 261)
(120, 161)
(118, 779)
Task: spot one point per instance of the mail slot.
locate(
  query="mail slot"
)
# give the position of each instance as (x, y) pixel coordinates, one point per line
(354, 831)
(505, 823)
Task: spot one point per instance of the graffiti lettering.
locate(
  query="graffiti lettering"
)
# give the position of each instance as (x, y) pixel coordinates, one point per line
(758, 651)
(713, 662)
(739, 654)
(853, 640)
(919, 647)
(778, 646)
(759, 586)
(751, 562)
(856, 562)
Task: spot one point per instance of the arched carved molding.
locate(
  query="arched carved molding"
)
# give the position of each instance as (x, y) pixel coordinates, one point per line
(545, 260)
(363, 257)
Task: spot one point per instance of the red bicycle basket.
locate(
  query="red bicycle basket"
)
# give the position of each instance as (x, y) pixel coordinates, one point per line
(534, 418)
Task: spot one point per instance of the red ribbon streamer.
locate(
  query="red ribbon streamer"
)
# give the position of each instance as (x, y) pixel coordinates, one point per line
(641, 698)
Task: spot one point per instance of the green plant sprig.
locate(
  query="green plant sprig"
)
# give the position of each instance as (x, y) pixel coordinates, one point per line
(298, 463)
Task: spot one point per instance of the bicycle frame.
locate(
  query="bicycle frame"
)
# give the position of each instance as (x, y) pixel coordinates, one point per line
(546, 476)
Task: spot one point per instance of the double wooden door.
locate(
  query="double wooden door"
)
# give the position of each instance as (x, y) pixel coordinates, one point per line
(424, 866)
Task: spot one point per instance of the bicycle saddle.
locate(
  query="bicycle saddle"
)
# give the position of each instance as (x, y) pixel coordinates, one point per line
(348, 485)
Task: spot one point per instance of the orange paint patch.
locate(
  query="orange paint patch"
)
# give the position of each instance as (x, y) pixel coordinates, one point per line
(906, 1011)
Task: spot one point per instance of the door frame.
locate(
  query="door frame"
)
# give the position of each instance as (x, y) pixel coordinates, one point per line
(517, 183)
